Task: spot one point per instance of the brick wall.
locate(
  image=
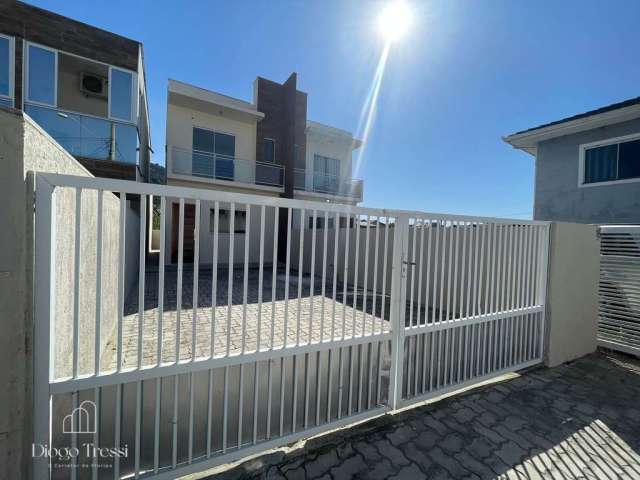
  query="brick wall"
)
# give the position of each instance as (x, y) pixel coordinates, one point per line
(50, 29)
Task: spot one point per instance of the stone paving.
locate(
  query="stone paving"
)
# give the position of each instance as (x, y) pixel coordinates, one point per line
(576, 421)
(306, 312)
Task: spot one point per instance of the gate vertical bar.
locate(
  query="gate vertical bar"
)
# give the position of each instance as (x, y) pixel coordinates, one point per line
(398, 308)
(45, 283)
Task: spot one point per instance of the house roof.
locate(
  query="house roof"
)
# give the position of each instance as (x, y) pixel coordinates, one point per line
(191, 96)
(528, 139)
(334, 132)
(607, 108)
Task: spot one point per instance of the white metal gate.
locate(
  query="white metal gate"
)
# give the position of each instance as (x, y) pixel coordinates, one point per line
(230, 352)
(619, 291)
(476, 305)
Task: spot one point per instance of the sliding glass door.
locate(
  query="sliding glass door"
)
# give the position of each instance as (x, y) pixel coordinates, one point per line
(326, 174)
(213, 154)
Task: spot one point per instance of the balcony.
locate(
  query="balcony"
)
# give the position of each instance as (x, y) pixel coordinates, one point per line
(214, 166)
(85, 136)
(327, 184)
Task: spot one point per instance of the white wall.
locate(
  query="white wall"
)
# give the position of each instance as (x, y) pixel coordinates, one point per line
(572, 295)
(180, 123)
(26, 147)
(70, 96)
(328, 146)
(206, 235)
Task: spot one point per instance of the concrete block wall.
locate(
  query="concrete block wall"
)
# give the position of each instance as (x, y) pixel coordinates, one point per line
(25, 148)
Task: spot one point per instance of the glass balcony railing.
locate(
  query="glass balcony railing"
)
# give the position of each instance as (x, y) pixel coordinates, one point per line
(328, 184)
(86, 136)
(224, 167)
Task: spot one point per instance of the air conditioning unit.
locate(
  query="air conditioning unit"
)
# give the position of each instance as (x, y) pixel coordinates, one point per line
(93, 85)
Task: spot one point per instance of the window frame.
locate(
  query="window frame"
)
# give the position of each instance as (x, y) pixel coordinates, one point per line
(273, 143)
(27, 76)
(12, 70)
(208, 129)
(227, 210)
(582, 148)
(134, 94)
(135, 90)
(324, 158)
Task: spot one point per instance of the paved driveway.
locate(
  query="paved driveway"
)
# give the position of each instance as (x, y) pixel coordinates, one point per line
(576, 421)
(268, 323)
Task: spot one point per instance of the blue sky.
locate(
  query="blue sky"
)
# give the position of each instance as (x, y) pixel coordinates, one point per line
(468, 73)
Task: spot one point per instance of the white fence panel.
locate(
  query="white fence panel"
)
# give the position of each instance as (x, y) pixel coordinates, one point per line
(209, 358)
(475, 302)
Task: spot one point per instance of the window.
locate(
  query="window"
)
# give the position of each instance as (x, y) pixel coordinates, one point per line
(79, 85)
(203, 140)
(269, 150)
(213, 154)
(6, 71)
(320, 223)
(326, 174)
(239, 222)
(42, 65)
(343, 222)
(225, 144)
(121, 94)
(611, 162)
(79, 101)
(82, 86)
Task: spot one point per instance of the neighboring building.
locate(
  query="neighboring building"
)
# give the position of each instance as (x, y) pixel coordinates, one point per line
(83, 85)
(587, 166)
(263, 147)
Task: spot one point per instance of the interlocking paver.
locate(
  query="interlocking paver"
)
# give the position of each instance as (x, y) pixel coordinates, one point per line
(349, 467)
(390, 452)
(409, 473)
(238, 326)
(401, 435)
(530, 429)
(380, 471)
(418, 456)
(322, 464)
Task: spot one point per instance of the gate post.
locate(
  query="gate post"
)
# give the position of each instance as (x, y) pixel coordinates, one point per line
(45, 244)
(543, 287)
(398, 307)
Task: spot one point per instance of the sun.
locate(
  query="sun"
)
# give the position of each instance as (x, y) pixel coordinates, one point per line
(395, 20)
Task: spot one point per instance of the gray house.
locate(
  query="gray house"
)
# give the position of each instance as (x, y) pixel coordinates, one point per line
(587, 166)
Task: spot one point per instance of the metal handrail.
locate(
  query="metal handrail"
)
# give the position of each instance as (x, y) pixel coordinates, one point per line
(198, 163)
(327, 183)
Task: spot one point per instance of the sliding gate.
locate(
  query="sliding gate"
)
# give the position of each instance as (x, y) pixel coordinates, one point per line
(150, 369)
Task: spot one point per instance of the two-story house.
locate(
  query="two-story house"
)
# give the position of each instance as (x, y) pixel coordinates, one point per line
(264, 147)
(84, 86)
(587, 167)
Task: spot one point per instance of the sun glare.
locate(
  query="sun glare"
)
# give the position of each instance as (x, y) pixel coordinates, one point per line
(393, 23)
(395, 20)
